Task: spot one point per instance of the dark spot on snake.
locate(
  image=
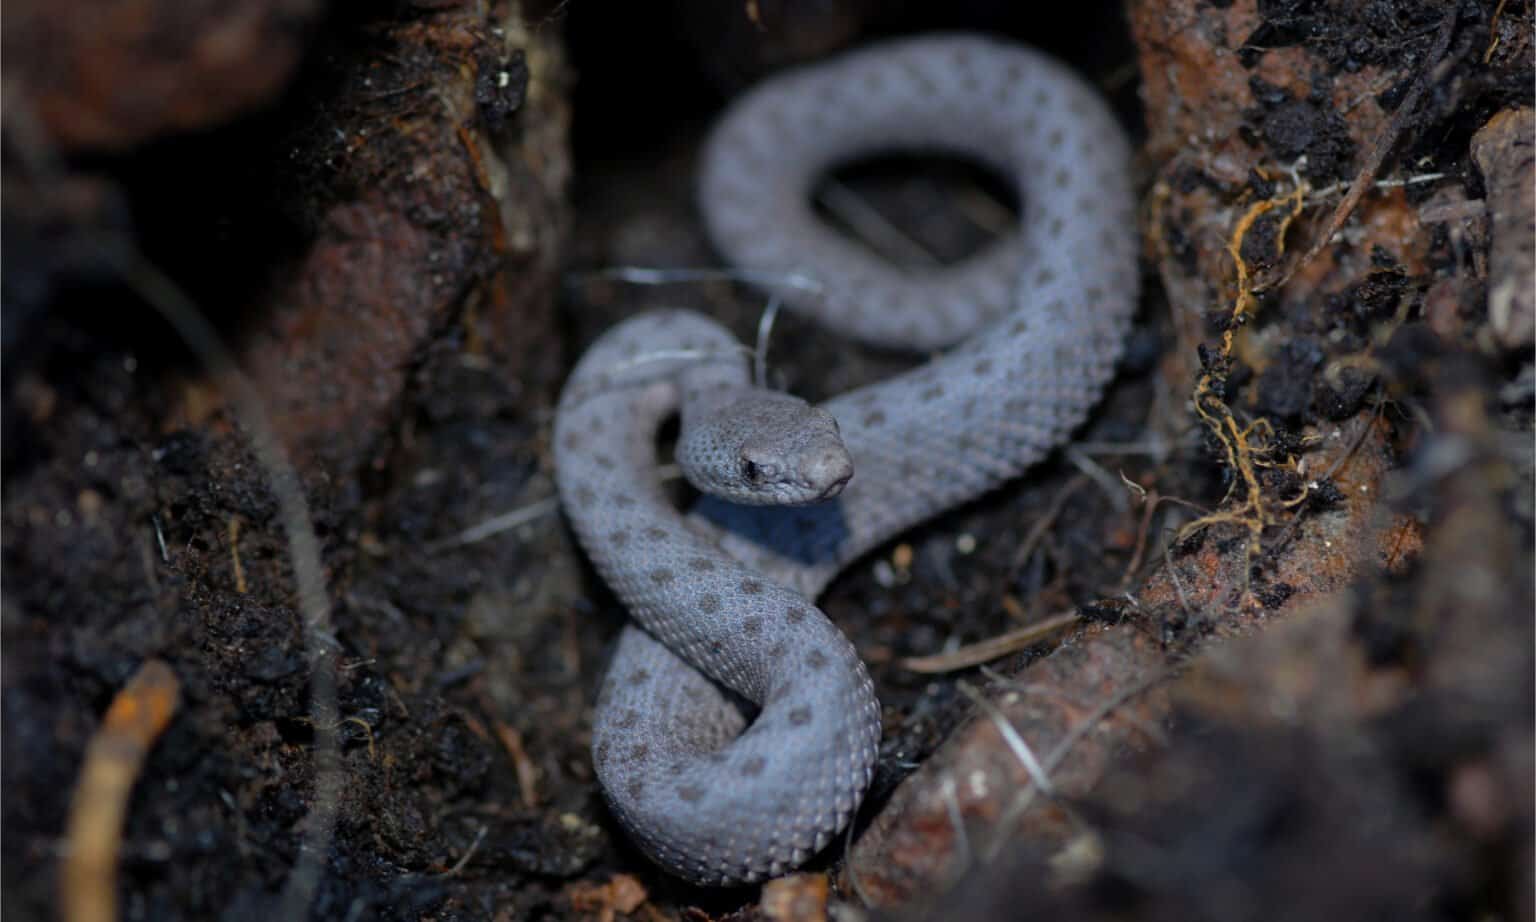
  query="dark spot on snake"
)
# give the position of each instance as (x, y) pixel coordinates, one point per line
(596, 424)
(1094, 294)
(1062, 178)
(622, 500)
(662, 577)
(690, 793)
(639, 677)
(800, 716)
(932, 393)
(796, 615)
(600, 755)
(701, 565)
(776, 651)
(751, 586)
(584, 496)
(628, 719)
(983, 367)
(619, 538)
(1044, 277)
(816, 659)
(874, 418)
(1019, 327)
(709, 603)
(638, 752)
(1057, 226)
(655, 534)
(1054, 139)
(603, 461)
(753, 766)
(752, 626)
(572, 441)
(636, 789)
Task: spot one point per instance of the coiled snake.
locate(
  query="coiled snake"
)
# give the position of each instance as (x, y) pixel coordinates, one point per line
(737, 728)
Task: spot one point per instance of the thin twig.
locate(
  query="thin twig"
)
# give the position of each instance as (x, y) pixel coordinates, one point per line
(1149, 730)
(1143, 528)
(1282, 539)
(764, 334)
(113, 759)
(990, 649)
(167, 298)
(233, 530)
(952, 808)
(1107, 482)
(468, 853)
(1025, 798)
(1379, 150)
(644, 275)
(1010, 734)
(869, 225)
(1041, 525)
(1178, 584)
(497, 524)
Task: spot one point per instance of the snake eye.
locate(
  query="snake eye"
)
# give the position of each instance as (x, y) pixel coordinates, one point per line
(750, 471)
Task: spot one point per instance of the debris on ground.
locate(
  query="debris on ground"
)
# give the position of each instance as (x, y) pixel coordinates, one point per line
(1272, 612)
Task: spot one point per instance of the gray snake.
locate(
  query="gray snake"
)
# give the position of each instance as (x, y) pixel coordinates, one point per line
(736, 730)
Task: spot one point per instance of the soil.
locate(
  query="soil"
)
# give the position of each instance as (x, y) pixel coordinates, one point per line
(1298, 529)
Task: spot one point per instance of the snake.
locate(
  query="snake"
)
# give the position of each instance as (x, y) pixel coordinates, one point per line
(737, 729)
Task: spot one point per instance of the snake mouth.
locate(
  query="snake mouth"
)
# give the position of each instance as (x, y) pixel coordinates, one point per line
(834, 488)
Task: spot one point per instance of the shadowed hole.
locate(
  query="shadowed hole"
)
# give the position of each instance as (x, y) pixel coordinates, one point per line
(918, 210)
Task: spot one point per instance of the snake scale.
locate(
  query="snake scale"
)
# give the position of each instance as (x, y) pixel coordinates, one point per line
(737, 728)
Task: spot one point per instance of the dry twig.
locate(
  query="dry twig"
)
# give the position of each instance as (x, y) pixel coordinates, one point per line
(113, 759)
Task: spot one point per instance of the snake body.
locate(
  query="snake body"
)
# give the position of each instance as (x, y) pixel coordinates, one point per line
(737, 729)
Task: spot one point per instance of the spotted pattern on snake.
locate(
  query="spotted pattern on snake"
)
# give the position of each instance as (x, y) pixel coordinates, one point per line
(737, 729)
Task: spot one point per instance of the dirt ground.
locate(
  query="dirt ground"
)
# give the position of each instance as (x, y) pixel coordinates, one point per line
(1297, 534)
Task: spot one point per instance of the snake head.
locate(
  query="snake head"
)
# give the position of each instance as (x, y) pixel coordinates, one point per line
(765, 449)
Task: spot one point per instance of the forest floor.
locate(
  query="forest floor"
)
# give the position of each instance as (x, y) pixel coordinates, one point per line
(1296, 536)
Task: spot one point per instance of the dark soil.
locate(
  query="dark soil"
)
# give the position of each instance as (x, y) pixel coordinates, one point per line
(383, 229)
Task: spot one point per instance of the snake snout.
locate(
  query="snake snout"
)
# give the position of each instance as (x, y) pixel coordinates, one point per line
(828, 471)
